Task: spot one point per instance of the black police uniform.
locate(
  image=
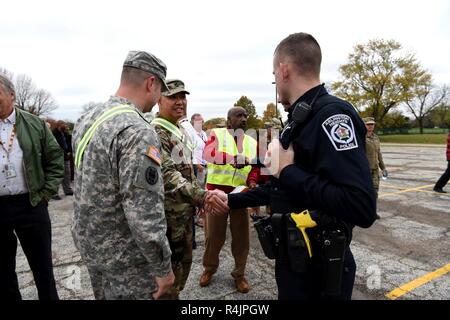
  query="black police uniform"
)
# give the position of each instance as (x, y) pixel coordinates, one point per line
(330, 174)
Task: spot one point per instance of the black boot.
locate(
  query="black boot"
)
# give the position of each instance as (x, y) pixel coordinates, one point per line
(438, 189)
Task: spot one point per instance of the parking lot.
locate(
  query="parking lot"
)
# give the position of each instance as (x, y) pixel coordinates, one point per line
(404, 255)
(411, 241)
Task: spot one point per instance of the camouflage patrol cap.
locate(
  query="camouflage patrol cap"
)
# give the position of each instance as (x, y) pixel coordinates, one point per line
(369, 120)
(147, 62)
(174, 86)
(273, 123)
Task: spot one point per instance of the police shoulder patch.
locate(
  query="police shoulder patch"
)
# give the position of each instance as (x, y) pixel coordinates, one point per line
(339, 129)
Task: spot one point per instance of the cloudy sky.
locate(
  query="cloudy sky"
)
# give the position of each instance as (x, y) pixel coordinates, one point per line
(221, 49)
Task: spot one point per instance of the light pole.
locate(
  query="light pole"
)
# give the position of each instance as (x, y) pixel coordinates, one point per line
(276, 99)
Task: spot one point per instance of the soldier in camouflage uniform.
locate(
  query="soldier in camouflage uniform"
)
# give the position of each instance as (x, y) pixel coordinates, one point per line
(119, 225)
(182, 190)
(373, 152)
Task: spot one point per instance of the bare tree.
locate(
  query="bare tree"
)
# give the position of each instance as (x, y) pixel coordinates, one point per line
(25, 91)
(42, 103)
(7, 73)
(29, 97)
(427, 97)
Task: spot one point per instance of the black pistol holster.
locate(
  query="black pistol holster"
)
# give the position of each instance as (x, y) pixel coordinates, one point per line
(266, 236)
(296, 246)
(280, 230)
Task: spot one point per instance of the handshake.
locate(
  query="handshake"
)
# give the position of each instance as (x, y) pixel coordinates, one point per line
(216, 203)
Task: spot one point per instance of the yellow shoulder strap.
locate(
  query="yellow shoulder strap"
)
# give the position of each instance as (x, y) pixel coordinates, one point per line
(90, 132)
(174, 130)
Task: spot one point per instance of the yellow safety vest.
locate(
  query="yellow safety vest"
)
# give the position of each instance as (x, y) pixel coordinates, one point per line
(111, 112)
(226, 174)
(173, 129)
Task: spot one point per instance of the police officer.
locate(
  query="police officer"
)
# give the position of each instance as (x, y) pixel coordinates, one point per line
(374, 155)
(182, 190)
(119, 225)
(322, 167)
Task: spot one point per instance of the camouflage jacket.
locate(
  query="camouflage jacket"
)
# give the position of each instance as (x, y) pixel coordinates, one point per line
(373, 152)
(182, 190)
(119, 222)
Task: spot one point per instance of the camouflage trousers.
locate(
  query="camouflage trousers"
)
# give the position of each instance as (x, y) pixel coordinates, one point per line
(181, 261)
(375, 180)
(127, 284)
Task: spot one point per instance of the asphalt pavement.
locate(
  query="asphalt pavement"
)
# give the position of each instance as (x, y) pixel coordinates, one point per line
(404, 255)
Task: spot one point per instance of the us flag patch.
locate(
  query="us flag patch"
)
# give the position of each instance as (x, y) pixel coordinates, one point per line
(153, 153)
(339, 129)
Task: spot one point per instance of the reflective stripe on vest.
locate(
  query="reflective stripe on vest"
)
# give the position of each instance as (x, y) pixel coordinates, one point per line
(174, 130)
(90, 132)
(227, 175)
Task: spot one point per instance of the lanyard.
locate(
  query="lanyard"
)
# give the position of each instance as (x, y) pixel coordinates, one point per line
(10, 143)
(202, 136)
